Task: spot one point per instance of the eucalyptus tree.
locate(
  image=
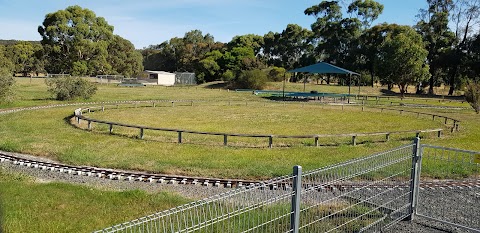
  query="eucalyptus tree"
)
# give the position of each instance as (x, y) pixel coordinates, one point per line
(209, 68)
(25, 56)
(433, 25)
(288, 48)
(366, 10)
(6, 79)
(256, 42)
(337, 36)
(402, 59)
(180, 53)
(123, 57)
(369, 46)
(75, 41)
(6, 63)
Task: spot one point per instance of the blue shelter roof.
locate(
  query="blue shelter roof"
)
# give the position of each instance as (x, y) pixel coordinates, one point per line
(323, 68)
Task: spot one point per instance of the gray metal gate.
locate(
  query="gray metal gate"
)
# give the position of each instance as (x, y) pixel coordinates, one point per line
(461, 190)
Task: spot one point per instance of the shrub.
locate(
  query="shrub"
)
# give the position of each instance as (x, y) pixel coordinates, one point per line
(228, 76)
(69, 88)
(250, 79)
(6, 86)
(277, 74)
(472, 95)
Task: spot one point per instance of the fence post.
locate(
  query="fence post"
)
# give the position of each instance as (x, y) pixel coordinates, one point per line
(270, 141)
(297, 189)
(225, 140)
(415, 178)
(141, 133)
(179, 136)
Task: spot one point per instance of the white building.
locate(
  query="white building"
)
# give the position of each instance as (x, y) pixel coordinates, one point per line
(162, 78)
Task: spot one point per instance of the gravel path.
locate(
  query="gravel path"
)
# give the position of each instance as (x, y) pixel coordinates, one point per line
(45, 176)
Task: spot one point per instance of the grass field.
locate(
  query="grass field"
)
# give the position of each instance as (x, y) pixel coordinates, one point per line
(27, 205)
(47, 133)
(257, 118)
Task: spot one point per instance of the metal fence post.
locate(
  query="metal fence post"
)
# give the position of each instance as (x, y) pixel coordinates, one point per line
(415, 177)
(297, 189)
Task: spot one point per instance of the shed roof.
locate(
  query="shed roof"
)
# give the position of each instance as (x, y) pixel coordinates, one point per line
(158, 72)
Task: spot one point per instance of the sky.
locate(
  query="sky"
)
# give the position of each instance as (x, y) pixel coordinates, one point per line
(150, 22)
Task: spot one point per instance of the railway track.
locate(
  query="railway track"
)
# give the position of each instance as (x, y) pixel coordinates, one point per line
(120, 175)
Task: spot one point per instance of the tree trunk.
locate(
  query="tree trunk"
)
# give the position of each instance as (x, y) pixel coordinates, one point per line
(453, 77)
(431, 82)
(328, 79)
(372, 75)
(402, 90)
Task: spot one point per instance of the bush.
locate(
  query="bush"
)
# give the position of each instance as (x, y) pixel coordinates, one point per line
(250, 79)
(472, 95)
(277, 74)
(69, 88)
(6, 86)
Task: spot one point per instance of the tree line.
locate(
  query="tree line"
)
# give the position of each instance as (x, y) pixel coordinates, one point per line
(74, 41)
(443, 47)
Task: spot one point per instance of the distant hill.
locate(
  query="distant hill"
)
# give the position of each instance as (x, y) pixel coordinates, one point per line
(9, 42)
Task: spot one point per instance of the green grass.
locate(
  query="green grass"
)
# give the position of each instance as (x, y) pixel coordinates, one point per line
(257, 118)
(51, 136)
(47, 133)
(35, 93)
(30, 206)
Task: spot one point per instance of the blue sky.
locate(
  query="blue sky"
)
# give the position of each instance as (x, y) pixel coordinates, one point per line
(146, 22)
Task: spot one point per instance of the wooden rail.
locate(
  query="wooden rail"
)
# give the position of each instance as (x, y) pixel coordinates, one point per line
(419, 99)
(78, 114)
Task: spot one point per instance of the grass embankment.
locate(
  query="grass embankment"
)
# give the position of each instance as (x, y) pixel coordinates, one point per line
(27, 205)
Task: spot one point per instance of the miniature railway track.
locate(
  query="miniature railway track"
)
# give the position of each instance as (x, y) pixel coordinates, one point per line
(120, 175)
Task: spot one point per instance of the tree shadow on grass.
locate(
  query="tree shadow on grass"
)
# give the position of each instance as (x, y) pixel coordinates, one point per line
(217, 85)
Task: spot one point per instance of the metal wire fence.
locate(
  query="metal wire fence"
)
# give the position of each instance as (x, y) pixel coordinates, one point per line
(366, 194)
(462, 189)
(261, 207)
(341, 198)
(185, 78)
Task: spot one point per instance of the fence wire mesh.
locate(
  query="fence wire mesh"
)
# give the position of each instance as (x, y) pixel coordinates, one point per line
(185, 78)
(362, 195)
(451, 193)
(261, 207)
